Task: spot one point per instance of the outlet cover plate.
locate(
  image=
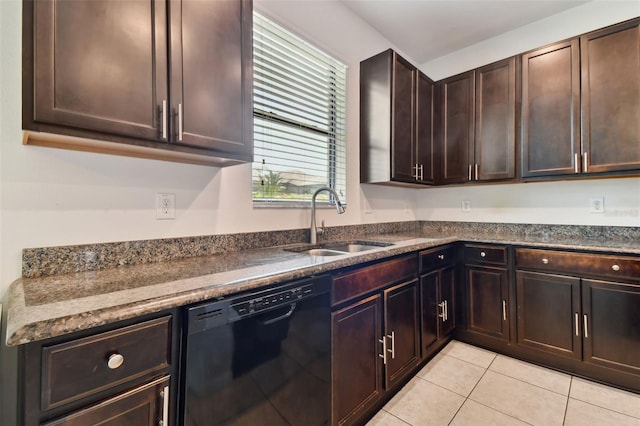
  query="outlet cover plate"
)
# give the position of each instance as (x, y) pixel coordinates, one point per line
(165, 206)
(466, 206)
(596, 205)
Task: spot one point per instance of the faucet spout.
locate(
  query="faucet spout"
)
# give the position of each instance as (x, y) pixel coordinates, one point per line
(313, 230)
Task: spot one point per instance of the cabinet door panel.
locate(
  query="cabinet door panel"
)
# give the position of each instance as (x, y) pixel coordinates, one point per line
(401, 330)
(611, 98)
(425, 149)
(546, 310)
(211, 66)
(488, 292)
(429, 285)
(402, 143)
(106, 74)
(356, 373)
(457, 127)
(447, 295)
(140, 406)
(495, 121)
(612, 316)
(551, 110)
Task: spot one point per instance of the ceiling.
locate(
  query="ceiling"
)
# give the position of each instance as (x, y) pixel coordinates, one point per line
(427, 29)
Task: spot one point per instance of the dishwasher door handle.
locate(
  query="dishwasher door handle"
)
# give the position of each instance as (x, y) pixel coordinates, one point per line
(281, 317)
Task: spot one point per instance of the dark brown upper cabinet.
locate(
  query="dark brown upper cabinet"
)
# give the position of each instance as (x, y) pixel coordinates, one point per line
(396, 122)
(551, 110)
(456, 127)
(581, 103)
(477, 132)
(495, 119)
(610, 67)
(140, 73)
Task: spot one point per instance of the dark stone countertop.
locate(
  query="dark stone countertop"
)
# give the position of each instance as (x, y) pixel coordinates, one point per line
(50, 306)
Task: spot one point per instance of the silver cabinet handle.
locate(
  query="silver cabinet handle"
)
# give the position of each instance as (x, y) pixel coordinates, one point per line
(586, 330)
(164, 394)
(414, 174)
(616, 268)
(577, 325)
(392, 336)
(483, 254)
(585, 162)
(441, 315)
(421, 171)
(477, 171)
(180, 122)
(115, 361)
(383, 355)
(164, 119)
(441, 256)
(576, 163)
(504, 310)
(446, 311)
(545, 260)
(470, 171)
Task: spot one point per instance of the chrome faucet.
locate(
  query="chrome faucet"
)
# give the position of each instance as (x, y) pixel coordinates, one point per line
(339, 208)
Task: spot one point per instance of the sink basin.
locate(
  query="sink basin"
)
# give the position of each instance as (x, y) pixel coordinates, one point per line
(337, 249)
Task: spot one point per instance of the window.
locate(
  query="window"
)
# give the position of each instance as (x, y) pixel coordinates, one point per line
(299, 95)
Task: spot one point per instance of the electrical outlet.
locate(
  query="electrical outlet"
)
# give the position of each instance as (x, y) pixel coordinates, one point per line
(466, 206)
(596, 205)
(165, 206)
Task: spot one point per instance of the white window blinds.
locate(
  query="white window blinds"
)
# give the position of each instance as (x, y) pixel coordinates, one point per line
(299, 96)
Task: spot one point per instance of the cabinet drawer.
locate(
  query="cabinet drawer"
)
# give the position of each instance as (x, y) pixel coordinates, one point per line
(485, 254)
(77, 369)
(370, 278)
(623, 267)
(436, 258)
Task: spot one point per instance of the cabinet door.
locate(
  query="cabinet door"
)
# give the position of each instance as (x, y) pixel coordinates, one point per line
(548, 312)
(447, 296)
(551, 110)
(425, 148)
(457, 127)
(488, 296)
(356, 373)
(141, 406)
(402, 327)
(403, 131)
(95, 70)
(211, 75)
(495, 121)
(611, 325)
(611, 98)
(429, 286)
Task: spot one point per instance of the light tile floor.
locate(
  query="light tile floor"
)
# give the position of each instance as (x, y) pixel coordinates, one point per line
(466, 385)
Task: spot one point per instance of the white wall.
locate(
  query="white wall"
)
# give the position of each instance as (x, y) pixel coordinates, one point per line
(53, 197)
(564, 202)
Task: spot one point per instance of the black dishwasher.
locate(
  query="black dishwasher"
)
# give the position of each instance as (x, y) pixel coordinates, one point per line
(260, 358)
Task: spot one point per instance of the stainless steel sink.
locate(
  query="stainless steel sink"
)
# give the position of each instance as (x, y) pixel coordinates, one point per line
(337, 249)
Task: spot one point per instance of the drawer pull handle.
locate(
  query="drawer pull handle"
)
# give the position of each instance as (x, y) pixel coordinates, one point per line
(164, 394)
(616, 268)
(115, 361)
(441, 256)
(545, 260)
(483, 254)
(383, 355)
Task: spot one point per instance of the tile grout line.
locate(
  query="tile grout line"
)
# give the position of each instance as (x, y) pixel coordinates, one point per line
(566, 406)
(466, 398)
(393, 415)
(532, 384)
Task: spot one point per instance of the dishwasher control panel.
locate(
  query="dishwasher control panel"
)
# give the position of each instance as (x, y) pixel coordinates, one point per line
(281, 298)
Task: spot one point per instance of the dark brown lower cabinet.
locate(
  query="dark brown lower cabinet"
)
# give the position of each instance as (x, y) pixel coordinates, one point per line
(144, 405)
(401, 325)
(487, 295)
(611, 321)
(548, 313)
(357, 368)
(437, 292)
(370, 354)
(597, 322)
